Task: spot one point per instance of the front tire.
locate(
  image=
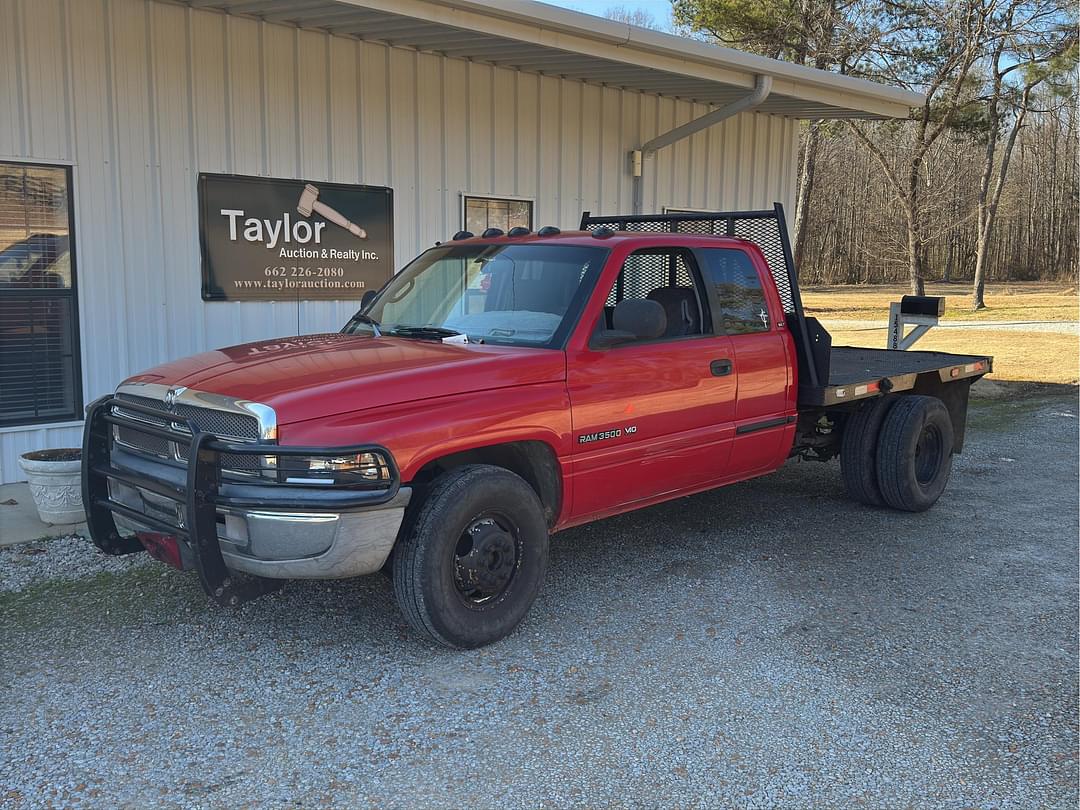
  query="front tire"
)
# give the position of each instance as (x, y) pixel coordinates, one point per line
(914, 455)
(473, 560)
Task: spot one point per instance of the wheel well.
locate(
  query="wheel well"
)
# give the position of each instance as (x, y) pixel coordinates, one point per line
(534, 461)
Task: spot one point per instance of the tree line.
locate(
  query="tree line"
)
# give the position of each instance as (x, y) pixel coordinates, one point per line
(854, 229)
(979, 183)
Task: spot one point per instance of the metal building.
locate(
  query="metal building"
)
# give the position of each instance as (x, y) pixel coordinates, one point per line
(506, 111)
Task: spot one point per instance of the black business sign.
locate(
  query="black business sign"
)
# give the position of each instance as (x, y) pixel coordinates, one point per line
(265, 239)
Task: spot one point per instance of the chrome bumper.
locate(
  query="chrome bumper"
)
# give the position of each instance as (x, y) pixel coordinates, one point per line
(288, 544)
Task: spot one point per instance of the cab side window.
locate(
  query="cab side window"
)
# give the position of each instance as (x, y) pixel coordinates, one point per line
(668, 277)
(735, 293)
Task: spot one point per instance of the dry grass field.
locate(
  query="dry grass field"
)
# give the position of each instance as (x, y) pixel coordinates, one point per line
(1021, 301)
(1019, 355)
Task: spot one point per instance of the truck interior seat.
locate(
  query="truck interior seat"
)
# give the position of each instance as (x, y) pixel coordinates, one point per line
(640, 317)
(681, 307)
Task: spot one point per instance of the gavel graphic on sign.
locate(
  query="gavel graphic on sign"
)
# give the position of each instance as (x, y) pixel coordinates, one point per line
(309, 202)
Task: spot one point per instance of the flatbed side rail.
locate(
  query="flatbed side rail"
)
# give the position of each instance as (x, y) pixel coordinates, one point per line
(204, 490)
(766, 228)
(864, 379)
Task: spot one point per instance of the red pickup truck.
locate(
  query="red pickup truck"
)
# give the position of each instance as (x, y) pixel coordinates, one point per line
(497, 390)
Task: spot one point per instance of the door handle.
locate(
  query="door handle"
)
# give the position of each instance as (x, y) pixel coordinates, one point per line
(720, 368)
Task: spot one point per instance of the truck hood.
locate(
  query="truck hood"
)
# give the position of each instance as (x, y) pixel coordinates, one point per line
(315, 376)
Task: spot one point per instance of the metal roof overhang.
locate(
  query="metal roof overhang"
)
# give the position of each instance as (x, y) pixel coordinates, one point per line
(539, 38)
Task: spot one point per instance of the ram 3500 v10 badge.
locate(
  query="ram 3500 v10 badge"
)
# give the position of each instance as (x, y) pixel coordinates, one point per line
(497, 390)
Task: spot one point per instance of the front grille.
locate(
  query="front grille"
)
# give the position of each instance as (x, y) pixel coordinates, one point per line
(226, 424)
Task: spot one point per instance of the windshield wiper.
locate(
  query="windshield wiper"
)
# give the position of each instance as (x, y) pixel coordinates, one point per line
(437, 332)
(374, 324)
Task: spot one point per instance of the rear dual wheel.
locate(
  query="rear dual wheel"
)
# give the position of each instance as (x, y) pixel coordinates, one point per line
(858, 451)
(914, 456)
(897, 451)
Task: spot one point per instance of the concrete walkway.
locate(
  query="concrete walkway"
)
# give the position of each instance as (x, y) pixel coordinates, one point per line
(19, 521)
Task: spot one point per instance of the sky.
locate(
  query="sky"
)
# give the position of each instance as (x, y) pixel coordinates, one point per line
(660, 9)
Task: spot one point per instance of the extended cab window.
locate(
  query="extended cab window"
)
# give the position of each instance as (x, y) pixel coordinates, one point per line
(735, 293)
(666, 276)
(519, 294)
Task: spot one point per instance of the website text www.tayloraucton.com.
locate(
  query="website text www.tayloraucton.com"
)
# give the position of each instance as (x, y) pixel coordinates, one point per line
(301, 278)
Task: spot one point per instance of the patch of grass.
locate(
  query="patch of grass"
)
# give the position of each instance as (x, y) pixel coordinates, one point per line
(1003, 414)
(1043, 357)
(1020, 301)
(105, 599)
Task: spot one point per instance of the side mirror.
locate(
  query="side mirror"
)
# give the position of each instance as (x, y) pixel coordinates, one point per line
(367, 298)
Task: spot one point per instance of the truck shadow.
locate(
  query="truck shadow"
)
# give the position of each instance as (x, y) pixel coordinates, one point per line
(604, 566)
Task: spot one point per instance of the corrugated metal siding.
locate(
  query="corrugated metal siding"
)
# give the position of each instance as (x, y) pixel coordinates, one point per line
(141, 96)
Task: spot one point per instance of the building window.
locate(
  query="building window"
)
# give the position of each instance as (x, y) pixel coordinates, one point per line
(39, 347)
(481, 213)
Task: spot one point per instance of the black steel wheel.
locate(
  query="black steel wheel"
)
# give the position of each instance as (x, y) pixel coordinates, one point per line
(485, 558)
(470, 565)
(858, 451)
(914, 456)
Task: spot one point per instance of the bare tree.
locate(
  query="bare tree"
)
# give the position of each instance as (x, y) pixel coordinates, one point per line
(824, 34)
(1037, 45)
(935, 51)
(641, 17)
(913, 199)
(855, 232)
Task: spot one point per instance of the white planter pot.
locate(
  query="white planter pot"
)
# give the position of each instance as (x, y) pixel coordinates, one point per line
(55, 478)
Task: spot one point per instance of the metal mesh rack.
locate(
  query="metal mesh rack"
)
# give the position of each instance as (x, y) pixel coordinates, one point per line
(645, 271)
(766, 228)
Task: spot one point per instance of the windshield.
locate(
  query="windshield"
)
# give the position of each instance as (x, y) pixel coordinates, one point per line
(524, 294)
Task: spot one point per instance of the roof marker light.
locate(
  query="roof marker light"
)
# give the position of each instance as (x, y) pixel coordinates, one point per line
(518, 230)
(463, 235)
(491, 233)
(548, 230)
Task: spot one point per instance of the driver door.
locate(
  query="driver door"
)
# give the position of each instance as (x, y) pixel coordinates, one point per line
(652, 417)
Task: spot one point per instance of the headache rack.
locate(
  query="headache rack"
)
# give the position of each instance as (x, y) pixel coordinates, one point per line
(767, 229)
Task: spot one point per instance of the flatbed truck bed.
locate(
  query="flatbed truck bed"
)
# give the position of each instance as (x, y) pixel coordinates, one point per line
(857, 372)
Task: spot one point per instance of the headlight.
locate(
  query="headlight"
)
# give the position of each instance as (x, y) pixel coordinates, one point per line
(371, 469)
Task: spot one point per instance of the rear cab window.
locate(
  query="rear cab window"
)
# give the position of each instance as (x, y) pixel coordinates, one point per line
(735, 291)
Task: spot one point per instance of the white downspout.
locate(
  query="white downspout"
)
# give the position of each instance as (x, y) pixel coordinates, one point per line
(762, 88)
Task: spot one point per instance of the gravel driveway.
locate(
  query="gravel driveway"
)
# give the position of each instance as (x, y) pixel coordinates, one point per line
(769, 644)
